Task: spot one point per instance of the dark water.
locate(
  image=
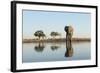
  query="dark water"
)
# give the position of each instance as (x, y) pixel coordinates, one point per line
(44, 52)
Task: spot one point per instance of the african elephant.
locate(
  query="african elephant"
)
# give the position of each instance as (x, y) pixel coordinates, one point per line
(69, 34)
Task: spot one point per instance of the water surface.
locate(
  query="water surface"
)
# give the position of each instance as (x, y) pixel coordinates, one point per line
(44, 52)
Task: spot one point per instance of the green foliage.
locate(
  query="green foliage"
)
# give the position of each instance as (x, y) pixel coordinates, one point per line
(39, 34)
(54, 34)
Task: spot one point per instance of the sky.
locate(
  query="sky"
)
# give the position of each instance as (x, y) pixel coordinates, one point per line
(49, 21)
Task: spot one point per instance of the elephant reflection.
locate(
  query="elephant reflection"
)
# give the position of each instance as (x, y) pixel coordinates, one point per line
(40, 47)
(69, 51)
(69, 33)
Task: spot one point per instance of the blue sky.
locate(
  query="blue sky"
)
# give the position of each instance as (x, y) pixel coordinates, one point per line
(56, 21)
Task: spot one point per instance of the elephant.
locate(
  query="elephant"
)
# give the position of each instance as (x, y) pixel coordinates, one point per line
(69, 34)
(69, 31)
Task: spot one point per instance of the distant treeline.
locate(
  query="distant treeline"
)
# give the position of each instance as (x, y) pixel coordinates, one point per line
(56, 40)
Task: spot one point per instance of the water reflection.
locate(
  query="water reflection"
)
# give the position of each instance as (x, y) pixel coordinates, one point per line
(54, 47)
(68, 53)
(40, 47)
(43, 52)
(69, 49)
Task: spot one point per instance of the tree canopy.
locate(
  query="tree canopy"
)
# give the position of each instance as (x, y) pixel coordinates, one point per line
(54, 34)
(39, 34)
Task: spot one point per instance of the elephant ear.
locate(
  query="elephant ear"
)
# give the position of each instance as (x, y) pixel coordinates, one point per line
(71, 30)
(66, 28)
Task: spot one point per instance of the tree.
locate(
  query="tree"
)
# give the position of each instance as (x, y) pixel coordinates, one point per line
(54, 34)
(39, 34)
(43, 35)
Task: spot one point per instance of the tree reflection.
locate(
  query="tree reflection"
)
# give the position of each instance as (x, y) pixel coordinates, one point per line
(40, 47)
(54, 47)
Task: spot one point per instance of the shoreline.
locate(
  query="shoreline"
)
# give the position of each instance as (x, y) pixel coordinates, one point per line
(57, 40)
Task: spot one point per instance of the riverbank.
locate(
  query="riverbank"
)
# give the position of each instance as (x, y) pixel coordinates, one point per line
(56, 40)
